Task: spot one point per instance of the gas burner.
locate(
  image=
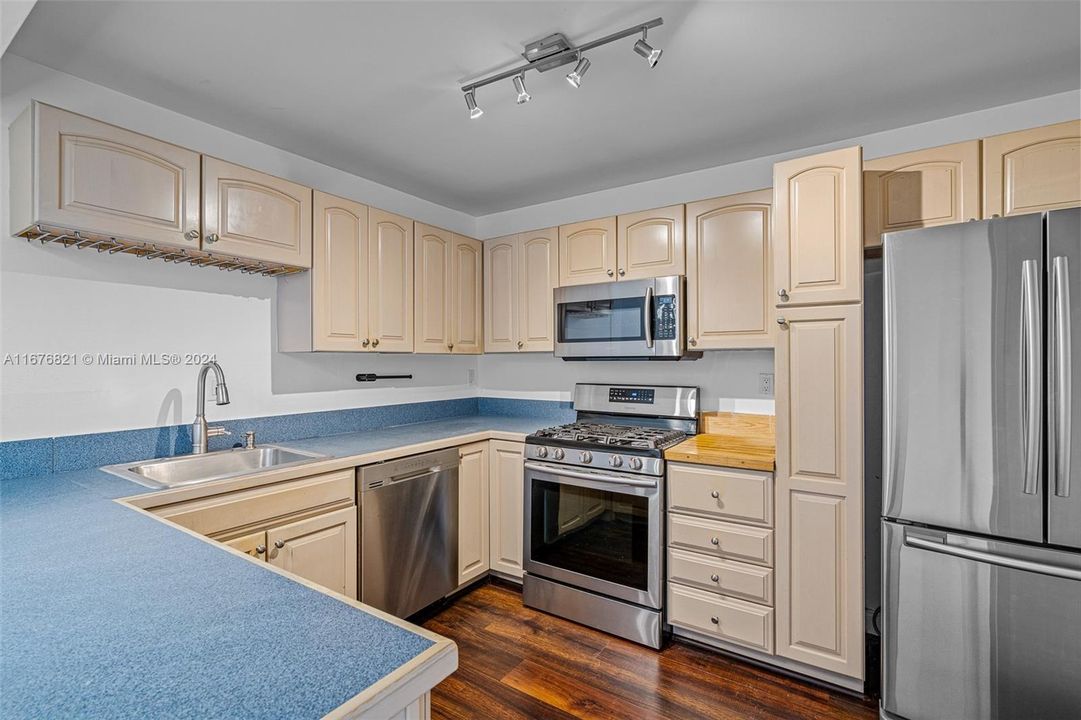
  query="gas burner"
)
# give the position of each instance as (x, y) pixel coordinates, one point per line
(603, 434)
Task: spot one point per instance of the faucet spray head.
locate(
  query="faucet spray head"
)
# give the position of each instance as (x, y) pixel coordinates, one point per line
(221, 393)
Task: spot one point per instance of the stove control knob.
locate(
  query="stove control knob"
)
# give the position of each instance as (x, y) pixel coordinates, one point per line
(558, 453)
(585, 456)
(542, 452)
(635, 463)
(615, 461)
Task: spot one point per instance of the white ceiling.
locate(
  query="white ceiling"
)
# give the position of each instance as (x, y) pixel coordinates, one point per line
(372, 88)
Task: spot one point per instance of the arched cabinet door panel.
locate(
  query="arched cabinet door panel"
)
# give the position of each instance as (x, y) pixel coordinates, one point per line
(1032, 170)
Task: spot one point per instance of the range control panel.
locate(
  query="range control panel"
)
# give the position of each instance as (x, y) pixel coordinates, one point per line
(642, 396)
(664, 308)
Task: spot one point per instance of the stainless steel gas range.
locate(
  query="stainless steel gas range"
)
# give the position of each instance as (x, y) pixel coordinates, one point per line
(594, 508)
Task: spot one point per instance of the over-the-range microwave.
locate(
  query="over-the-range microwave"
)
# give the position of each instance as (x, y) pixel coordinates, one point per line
(625, 320)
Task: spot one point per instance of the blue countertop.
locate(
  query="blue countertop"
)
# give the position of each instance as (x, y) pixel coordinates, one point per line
(105, 612)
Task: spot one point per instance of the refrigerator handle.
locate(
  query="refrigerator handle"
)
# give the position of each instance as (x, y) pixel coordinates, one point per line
(1061, 370)
(942, 545)
(1030, 365)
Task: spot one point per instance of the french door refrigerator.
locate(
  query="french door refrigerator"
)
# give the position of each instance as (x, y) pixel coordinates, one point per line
(981, 454)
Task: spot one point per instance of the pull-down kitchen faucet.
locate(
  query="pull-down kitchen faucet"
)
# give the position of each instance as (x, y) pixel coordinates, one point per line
(199, 429)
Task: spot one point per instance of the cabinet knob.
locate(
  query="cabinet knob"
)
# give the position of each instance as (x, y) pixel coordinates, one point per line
(622, 272)
(366, 342)
(192, 235)
(279, 544)
(520, 344)
(715, 620)
(714, 494)
(450, 346)
(715, 541)
(260, 549)
(783, 294)
(692, 341)
(375, 343)
(212, 238)
(715, 577)
(610, 273)
(781, 321)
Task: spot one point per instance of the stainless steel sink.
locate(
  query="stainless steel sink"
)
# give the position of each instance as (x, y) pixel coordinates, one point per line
(194, 469)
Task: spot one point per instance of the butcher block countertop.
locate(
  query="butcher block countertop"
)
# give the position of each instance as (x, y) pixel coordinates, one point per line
(732, 440)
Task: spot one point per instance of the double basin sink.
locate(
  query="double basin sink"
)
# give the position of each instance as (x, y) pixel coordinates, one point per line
(194, 469)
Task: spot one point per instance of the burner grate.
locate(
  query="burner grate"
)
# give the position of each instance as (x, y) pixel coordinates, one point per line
(627, 436)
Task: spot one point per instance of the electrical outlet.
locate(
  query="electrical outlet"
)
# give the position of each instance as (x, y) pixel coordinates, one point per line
(472, 377)
(765, 384)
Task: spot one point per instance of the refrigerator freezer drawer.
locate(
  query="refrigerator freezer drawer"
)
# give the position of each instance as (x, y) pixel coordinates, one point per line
(976, 628)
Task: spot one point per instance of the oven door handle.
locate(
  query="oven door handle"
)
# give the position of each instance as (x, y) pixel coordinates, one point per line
(633, 482)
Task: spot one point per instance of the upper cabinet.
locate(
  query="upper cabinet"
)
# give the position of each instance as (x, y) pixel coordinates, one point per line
(520, 273)
(729, 281)
(390, 290)
(650, 243)
(1032, 170)
(818, 228)
(253, 215)
(448, 293)
(921, 189)
(587, 252)
(339, 278)
(71, 172)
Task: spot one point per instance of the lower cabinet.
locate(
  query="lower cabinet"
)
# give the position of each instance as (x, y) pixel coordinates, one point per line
(322, 549)
(473, 513)
(506, 506)
(253, 544)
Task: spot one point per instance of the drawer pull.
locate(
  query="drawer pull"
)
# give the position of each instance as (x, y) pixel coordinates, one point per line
(714, 494)
(715, 540)
(715, 578)
(714, 620)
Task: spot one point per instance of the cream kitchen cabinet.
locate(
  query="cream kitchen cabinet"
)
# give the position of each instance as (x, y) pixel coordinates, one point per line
(1032, 170)
(587, 252)
(819, 566)
(520, 273)
(390, 287)
(322, 549)
(447, 279)
(818, 229)
(474, 516)
(253, 544)
(250, 214)
(729, 272)
(72, 172)
(650, 243)
(506, 503)
(921, 189)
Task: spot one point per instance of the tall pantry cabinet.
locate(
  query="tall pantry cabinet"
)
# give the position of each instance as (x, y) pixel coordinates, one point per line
(818, 264)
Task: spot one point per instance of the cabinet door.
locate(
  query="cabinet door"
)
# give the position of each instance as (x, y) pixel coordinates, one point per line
(1032, 170)
(501, 294)
(467, 296)
(506, 478)
(473, 512)
(818, 228)
(250, 214)
(729, 281)
(390, 281)
(253, 544)
(322, 549)
(538, 276)
(432, 288)
(339, 275)
(921, 189)
(820, 488)
(100, 178)
(587, 252)
(650, 244)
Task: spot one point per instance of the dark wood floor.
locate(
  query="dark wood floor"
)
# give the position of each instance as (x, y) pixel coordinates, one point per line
(515, 662)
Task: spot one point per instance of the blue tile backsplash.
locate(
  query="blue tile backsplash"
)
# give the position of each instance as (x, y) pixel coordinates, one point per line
(22, 458)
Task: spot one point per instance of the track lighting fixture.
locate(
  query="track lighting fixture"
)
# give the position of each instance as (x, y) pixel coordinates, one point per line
(471, 103)
(519, 85)
(556, 51)
(647, 51)
(574, 77)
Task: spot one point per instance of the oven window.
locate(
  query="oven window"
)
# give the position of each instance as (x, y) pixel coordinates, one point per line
(593, 532)
(601, 320)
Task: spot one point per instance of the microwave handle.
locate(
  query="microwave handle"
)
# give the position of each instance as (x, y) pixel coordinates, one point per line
(647, 311)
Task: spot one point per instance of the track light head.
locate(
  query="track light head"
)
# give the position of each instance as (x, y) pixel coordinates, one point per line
(646, 50)
(574, 77)
(519, 85)
(471, 103)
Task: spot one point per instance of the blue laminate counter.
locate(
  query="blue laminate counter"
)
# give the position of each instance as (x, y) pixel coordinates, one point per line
(107, 612)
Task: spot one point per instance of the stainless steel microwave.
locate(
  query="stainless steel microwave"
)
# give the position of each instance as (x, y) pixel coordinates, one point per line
(628, 320)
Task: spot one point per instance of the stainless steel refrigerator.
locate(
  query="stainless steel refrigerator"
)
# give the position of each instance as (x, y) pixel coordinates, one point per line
(981, 531)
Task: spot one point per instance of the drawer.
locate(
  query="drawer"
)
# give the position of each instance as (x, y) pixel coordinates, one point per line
(749, 582)
(722, 618)
(741, 495)
(234, 510)
(721, 539)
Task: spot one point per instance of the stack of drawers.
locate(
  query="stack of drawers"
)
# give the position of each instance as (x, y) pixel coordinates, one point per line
(720, 554)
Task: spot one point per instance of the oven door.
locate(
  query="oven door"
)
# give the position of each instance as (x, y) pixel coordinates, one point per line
(635, 318)
(595, 530)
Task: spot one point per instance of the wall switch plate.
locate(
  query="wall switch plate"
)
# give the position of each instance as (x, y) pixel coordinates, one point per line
(472, 377)
(765, 384)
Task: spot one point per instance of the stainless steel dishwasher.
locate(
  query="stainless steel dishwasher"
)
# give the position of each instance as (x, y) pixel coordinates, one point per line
(408, 531)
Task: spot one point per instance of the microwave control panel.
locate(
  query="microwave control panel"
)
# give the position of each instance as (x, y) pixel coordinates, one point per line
(665, 314)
